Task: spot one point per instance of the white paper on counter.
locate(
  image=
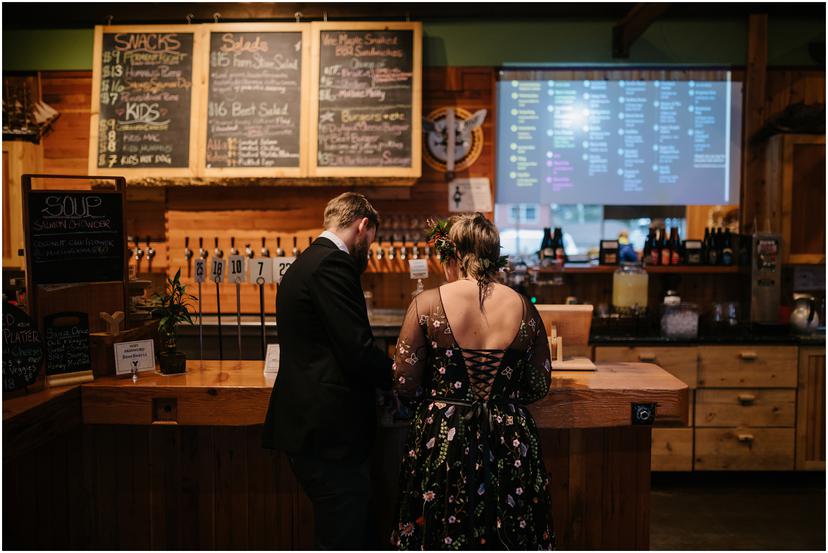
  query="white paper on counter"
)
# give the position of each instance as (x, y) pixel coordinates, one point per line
(272, 359)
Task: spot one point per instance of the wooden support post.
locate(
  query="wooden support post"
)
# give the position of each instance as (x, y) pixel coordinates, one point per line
(754, 193)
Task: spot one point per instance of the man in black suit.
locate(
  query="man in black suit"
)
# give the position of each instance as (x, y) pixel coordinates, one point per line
(323, 409)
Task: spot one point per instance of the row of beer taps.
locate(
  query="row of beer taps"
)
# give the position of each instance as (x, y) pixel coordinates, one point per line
(138, 254)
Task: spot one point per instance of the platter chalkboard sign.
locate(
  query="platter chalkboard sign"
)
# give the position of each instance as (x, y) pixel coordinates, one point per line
(256, 99)
(22, 349)
(75, 236)
(67, 343)
(367, 101)
(143, 94)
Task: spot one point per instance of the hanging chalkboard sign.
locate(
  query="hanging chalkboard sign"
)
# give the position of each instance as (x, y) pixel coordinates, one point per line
(67, 343)
(142, 101)
(22, 349)
(74, 236)
(256, 112)
(366, 103)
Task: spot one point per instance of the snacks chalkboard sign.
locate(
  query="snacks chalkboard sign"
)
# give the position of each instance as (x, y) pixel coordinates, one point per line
(142, 100)
(256, 99)
(67, 343)
(75, 236)
(366, 106)
(22, 349)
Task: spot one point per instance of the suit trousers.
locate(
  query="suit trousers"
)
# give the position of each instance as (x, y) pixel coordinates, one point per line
(340, 492)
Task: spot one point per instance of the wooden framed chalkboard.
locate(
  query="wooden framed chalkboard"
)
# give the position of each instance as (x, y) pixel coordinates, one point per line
(68, 356)
(255, 117)
(366, 99)
(74, 235)
(144, 110)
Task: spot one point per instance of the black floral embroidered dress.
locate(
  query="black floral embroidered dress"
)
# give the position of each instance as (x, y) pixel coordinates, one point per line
(473, 475)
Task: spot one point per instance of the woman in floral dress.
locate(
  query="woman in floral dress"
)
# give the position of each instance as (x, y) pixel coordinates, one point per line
(473, 475)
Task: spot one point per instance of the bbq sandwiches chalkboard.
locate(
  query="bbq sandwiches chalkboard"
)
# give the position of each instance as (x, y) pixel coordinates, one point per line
(257, 100)
(142, 101)
(366, 99)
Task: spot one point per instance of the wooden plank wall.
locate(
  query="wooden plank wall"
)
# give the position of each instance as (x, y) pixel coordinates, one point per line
(168, 215)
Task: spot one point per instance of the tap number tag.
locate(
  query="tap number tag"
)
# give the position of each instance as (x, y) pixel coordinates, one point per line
(261, 270)
(219, 268)
(418, 268)
(200, 269)
(236, 263)
(280, 267)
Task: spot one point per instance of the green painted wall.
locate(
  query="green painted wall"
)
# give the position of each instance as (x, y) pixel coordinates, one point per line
(708, 42)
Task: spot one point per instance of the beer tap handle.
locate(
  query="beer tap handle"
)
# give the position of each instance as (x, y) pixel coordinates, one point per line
(279, 251)
(202, 253)
(248, 251)
(218, 253)
(295, 248)
(265, 251)
(233, 250)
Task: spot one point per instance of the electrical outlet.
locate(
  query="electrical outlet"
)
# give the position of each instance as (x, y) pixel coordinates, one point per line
(643, 413)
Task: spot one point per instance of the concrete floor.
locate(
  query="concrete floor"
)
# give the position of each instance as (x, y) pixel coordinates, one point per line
(728, 510)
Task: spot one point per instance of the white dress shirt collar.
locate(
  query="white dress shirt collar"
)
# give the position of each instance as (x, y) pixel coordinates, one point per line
(335, 239)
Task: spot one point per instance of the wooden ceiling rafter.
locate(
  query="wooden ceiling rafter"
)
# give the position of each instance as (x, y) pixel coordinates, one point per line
(633, 25)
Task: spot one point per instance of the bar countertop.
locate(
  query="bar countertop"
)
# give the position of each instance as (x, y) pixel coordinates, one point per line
(234, 393)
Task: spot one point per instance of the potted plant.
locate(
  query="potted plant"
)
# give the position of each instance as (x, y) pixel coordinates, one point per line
(171, 310)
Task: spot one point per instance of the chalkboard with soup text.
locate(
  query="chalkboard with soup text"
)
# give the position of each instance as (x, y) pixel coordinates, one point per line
(257, 100)
(143, 101)
(75, 236)
(366, 99)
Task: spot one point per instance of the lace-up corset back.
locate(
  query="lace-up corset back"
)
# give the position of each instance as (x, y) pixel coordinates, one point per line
(470, 374)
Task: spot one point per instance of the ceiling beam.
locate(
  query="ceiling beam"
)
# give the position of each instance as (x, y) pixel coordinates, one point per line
(627, 31)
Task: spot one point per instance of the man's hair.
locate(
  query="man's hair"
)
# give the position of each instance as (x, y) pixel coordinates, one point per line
(346, 208)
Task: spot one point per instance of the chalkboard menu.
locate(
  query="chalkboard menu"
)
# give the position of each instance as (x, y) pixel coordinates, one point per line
(254, 108)
(22, 349)
(67, 343)
(75, 236)
(146, 81)
(366, 116)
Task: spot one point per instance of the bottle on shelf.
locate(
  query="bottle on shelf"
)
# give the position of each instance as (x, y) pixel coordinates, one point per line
(558, 244)
(648, 248)
(713, 249)
(727, 248)
(547, 249)
(675, 247)
(664, 247)
(655, 248)
(705, 246)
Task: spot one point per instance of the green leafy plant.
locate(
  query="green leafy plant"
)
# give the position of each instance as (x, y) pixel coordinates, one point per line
(172, 309)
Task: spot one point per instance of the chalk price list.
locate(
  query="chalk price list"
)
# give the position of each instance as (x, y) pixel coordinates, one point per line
(365, 97)
(145, 95)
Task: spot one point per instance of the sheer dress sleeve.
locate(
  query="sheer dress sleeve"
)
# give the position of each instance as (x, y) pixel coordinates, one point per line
(537, 374)
(411, 355)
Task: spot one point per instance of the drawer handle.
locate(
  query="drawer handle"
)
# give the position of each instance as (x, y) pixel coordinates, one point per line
(647, 357)
(745, 437)
(748, 355)
(746, 399)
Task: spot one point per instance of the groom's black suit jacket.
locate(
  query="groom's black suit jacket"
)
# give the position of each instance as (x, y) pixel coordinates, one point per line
(323, 401)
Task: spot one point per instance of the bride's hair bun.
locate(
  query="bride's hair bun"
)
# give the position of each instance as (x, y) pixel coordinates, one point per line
(478, 246)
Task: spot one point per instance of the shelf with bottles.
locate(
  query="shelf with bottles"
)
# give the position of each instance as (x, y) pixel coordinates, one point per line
(577, 268)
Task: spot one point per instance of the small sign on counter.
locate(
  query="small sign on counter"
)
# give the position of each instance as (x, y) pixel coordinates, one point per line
(272, 359)
(138, 355)
(418, 268)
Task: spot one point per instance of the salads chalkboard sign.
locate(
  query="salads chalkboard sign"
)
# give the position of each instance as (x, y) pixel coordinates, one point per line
(22, 349)
(67, 343)
(145, 88)
(367, 99)
(255, 97)
(75, 236)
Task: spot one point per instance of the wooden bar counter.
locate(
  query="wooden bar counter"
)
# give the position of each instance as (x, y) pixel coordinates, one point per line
(176, 462)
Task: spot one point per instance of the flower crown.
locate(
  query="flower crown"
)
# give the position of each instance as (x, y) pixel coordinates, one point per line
(438, 237)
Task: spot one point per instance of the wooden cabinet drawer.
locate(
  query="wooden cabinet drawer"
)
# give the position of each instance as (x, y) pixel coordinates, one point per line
(744, 448)
(672, 449)
(745, 407)
(681, 362)
(747, 366)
